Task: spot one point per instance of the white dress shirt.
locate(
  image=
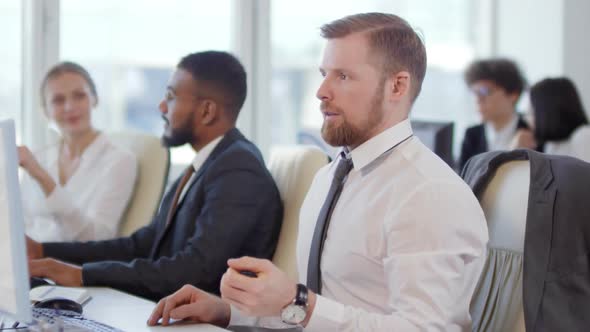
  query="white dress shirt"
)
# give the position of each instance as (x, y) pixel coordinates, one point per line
(90, 205)
(405, 245)
(501, 139)
(577, 146)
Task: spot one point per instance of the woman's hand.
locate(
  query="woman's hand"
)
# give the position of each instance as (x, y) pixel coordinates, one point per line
(27, 160)
(524, 139)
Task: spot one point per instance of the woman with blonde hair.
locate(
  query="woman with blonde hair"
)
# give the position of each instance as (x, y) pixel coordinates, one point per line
(78, 188)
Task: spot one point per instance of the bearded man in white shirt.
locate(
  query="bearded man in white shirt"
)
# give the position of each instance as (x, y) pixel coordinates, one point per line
(395, 243)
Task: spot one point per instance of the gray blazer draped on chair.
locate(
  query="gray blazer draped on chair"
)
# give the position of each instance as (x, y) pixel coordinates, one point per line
(556, 270)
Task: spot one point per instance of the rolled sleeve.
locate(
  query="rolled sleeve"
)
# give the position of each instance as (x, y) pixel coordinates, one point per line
(237, 318)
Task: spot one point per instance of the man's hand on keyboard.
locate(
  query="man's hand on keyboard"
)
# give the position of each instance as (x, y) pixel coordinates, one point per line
(191, 304)
(62, 273)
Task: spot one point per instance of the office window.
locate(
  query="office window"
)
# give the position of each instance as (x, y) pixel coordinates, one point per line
(131, 47)
(10, 62)
(448, 31)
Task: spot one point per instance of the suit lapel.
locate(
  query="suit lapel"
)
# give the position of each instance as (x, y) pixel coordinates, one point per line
(162, 223)
(538, 234)
(483, 141)
(172, 221)
(229, 137)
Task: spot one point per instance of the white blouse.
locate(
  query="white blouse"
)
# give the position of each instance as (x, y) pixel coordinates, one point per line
(577, 146)
(90, 205)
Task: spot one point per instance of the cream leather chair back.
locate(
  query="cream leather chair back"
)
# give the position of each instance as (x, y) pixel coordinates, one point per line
(293, 169)
(153, 163)
(497, 301)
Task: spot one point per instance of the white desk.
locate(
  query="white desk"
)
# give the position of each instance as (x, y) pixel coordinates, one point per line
(130, 313)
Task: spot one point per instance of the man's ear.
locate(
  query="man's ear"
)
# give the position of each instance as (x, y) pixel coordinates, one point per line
(399, 85)
(209, 112)
(514, 97)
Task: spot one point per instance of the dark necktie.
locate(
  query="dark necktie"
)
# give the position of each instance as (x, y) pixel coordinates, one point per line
(183, 181)
(314, 274)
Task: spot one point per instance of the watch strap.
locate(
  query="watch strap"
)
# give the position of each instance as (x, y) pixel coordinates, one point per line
(301, 295)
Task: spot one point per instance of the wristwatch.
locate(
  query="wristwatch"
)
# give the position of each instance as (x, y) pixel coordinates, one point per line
(295, 312)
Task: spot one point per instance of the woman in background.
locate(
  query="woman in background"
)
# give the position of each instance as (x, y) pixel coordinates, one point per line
(78, 189)
(560, 124)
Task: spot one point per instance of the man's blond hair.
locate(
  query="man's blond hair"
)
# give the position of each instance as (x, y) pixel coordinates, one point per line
(393, 42)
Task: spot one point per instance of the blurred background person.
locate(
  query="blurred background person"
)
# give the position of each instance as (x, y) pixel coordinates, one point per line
(78, 188)
(497, 84)
(560, 125)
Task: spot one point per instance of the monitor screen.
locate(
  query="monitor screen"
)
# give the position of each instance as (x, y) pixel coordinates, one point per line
(437, 136)
(14, 280)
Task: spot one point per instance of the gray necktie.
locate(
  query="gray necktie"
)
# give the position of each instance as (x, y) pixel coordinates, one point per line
(314, 274)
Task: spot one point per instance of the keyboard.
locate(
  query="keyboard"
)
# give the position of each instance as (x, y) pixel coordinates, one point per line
(66, 320)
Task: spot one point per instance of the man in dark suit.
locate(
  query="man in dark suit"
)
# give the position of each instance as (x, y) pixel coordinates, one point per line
(556, 265)
(225, 205)
(497, 84)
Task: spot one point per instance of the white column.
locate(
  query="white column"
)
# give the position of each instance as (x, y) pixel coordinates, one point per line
(531, 32)
(40, 51)
(547, 38)
(251, 44)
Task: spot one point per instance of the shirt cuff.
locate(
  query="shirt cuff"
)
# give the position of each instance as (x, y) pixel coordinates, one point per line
(238, 319)
(93, 274)
(58, 201)
(327, 315)
(51, 249)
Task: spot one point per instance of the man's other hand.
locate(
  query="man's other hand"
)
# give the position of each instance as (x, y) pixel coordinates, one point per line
(191, 304)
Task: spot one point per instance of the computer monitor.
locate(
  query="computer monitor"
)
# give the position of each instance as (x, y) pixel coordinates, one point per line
(14, 275)
(437, 136)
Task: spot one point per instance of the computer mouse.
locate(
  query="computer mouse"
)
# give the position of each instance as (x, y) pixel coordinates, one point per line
(60, 303)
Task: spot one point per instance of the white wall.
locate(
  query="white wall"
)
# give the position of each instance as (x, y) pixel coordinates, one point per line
(531, 32)
(546, 38)
(576, 55)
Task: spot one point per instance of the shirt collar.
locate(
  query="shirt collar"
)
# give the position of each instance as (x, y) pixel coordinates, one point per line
(365, 153)
(503, 133)
(202, 155)
(94, 149)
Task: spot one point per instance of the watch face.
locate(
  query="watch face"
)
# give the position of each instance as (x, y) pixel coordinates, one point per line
(293, 314)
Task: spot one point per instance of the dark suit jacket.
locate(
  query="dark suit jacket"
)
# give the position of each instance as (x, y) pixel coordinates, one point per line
(556, 268)
(232, 209)
(475, 142)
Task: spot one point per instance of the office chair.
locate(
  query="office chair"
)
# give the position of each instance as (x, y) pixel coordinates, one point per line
(293, 169)
(153, 166)
(497, 303)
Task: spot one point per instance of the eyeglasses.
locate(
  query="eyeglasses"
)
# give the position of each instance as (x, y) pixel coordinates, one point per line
(483, 91)
(170, 96)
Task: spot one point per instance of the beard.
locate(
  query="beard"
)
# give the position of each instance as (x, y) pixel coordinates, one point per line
(348, 134)
(178, 136)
